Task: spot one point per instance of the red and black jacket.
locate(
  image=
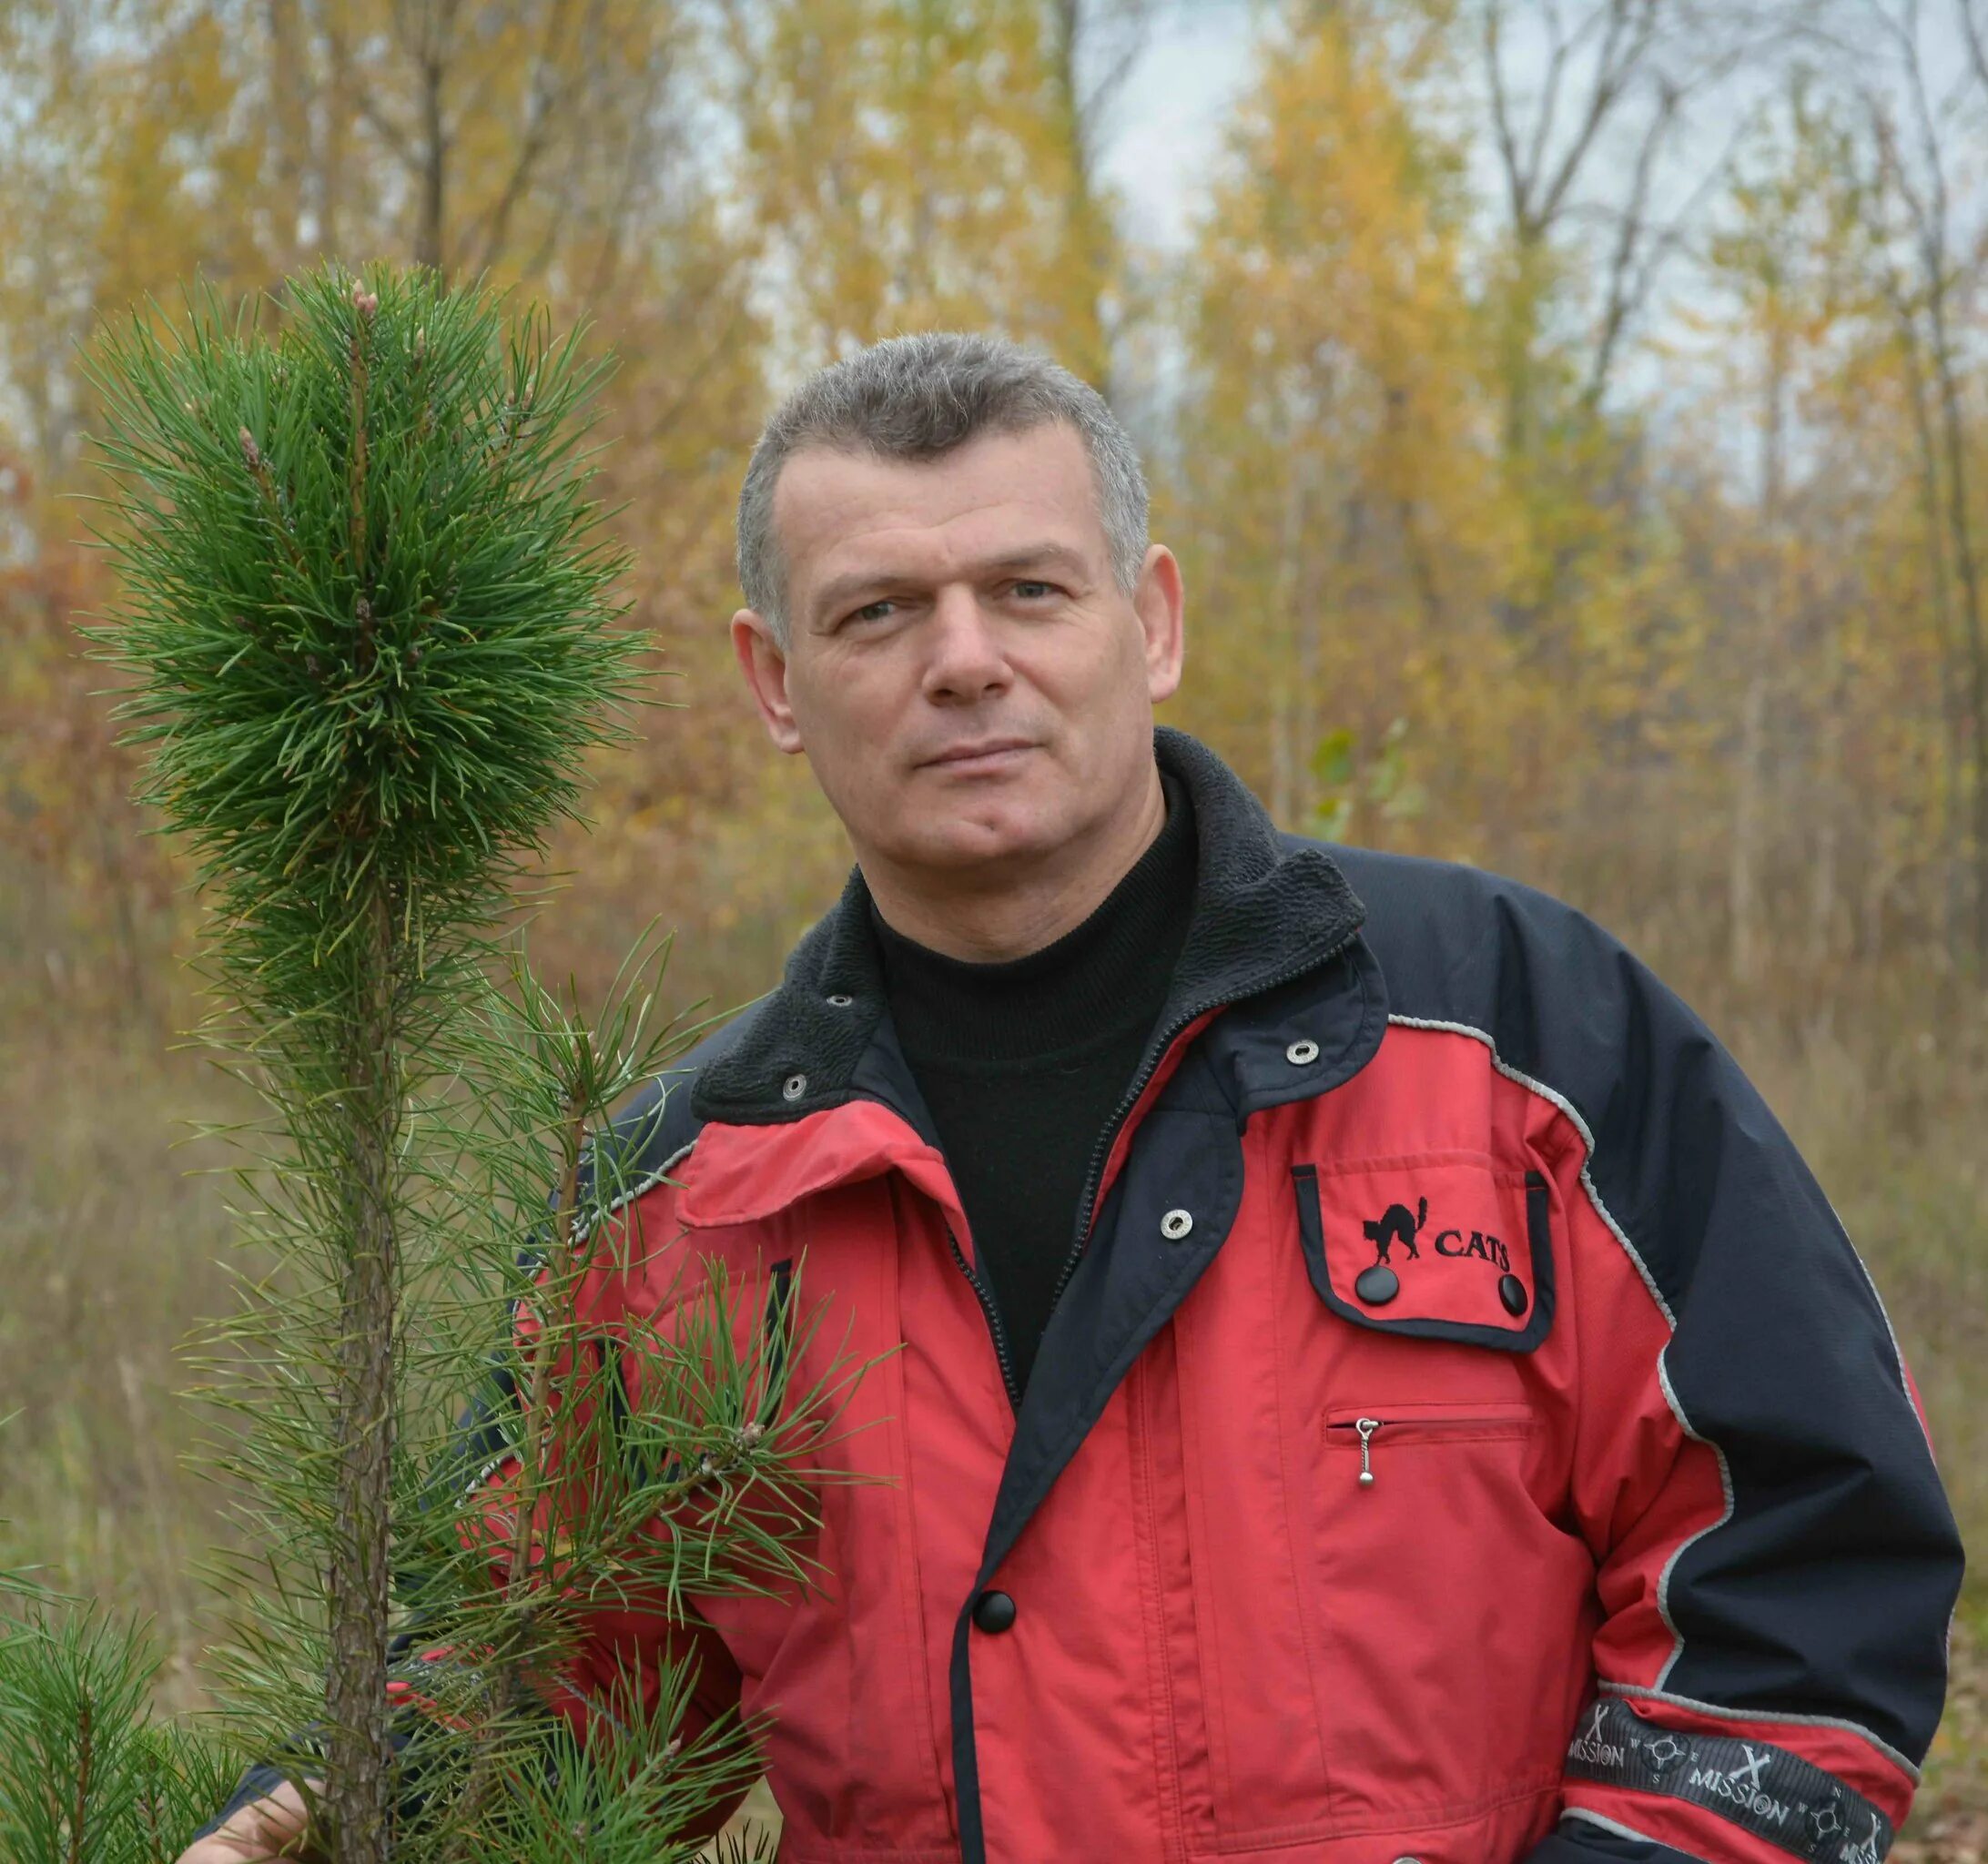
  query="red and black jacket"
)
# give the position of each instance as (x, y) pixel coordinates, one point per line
(1465, 1435)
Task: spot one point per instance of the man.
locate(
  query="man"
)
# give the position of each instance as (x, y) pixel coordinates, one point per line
(1377, 1382)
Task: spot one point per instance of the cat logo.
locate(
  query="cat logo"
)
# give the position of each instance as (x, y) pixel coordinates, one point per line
(1396, 1225)
(1399, 1225)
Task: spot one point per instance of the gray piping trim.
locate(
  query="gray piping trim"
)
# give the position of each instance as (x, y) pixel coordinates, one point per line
(1898, 1352)
(1759, 1716)
(1655, 1294)
(1690, 1540)
(638, 1189)
(1580, 1126)
(1627, 1831)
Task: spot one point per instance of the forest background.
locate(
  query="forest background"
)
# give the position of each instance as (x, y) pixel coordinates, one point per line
(1573, 419)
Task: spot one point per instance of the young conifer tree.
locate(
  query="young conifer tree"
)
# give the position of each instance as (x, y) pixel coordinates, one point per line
(366, 612)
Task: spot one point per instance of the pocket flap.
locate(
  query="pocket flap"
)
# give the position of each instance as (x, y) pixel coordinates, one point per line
(1442, 1246)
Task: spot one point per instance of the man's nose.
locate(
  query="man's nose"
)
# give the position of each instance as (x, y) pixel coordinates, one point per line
(965, 659)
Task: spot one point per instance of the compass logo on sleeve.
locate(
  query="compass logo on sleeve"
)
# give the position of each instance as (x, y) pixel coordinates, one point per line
(1397, 1227)
(1770, 1791)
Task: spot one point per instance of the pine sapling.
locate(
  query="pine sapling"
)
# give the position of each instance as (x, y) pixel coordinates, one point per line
(367, 610)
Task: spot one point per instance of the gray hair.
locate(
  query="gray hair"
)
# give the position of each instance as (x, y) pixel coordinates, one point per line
(916, 398)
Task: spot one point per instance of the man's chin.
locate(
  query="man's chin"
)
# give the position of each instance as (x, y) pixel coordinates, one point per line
(961, 845)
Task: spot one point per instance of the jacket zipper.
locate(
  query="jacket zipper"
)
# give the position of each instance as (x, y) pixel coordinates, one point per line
(993, 1319)
(1156, 1055)
(1367, 1428)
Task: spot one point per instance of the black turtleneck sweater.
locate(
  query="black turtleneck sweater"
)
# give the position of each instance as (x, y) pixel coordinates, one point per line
(1022, 1063)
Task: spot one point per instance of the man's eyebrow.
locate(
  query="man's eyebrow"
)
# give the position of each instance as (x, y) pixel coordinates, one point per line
(840, 590)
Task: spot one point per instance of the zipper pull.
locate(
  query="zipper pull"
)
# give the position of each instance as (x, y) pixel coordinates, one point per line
(1366, 1426)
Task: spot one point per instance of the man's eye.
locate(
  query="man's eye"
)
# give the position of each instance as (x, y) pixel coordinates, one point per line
(876, 611)
(1034, 590)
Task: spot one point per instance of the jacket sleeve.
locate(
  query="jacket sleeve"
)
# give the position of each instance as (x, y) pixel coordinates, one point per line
(1777, 1561)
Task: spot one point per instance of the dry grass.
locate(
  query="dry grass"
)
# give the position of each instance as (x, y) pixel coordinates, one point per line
(109, 1251)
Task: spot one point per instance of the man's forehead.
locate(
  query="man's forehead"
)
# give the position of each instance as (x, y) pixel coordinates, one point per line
(832, 505)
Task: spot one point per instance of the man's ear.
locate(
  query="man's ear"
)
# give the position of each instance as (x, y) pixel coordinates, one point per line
(763, 662)
(1160, 601)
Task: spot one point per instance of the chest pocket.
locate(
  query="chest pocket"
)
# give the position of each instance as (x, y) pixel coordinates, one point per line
(1448, 1610)
(1435, 1245)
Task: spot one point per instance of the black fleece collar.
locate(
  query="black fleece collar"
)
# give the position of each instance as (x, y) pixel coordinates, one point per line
(1265, 912)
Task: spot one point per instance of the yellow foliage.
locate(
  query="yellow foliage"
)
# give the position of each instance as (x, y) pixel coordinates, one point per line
(1340, 491)
(913, 164)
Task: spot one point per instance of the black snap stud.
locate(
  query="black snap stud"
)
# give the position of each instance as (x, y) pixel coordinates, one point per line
(841, 1000)
(793, 1086)
(1378, 1286)
(994, 1611)
(1512, 1292)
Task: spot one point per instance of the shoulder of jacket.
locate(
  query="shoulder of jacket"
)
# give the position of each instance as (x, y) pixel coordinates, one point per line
(1461, 944)
(1565, 1008)
(1562, 1003)
(1401, 891)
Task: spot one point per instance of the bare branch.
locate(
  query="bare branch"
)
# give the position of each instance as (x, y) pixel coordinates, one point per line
(1977, 45)
(1629, 289)
(544, 96)
(399, 140)
(1624, 275)
(1549, 101)
(1615, 69)
(1518, 189)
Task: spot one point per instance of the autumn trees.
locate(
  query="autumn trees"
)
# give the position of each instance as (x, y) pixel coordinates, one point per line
(1570, 410)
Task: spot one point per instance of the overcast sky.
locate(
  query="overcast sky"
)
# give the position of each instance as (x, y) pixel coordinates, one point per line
(1167, 124)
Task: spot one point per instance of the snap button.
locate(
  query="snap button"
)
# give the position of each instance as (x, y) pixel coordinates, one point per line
(793, 1086)
(840, 1001)
(1376, 1286)
(1512, 1292)
(994, 1612)
(1175, 1224)
(1301, 1053)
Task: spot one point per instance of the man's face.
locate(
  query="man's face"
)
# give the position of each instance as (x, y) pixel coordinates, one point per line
(969, 683)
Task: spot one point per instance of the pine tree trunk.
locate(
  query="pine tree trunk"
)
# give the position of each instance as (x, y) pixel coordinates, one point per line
(356, 1693)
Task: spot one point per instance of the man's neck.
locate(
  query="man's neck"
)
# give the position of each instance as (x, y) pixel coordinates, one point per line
(999, 916)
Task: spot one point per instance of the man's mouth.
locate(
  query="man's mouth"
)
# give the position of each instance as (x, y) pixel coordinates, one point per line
(980, 754)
